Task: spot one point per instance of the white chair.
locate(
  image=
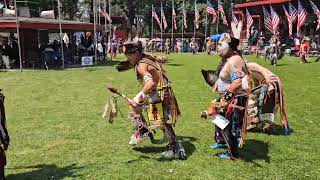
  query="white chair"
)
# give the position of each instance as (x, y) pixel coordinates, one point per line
(47, 14)
(8, 12)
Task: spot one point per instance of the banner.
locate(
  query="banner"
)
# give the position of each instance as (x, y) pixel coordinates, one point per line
(87, 60)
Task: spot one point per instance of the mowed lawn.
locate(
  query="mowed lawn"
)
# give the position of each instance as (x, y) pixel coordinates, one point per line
(56, 129)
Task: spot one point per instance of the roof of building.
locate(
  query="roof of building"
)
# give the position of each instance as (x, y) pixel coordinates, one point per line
(47, 24)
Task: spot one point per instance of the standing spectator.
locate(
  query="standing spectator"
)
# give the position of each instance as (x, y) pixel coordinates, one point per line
(179, 46)
(114, 48)
(296, 44)
(99, 50)
(120, 43)
(5, 54)
(193, 47)
(209, 45)
(304, 50)
(167, 46)
(260, 46)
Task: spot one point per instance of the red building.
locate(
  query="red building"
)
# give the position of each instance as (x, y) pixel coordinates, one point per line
(34, 31)
(256, 10)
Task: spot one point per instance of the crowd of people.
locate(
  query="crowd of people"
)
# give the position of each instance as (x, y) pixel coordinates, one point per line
(178, 46)
(278, 45)
(49, 55)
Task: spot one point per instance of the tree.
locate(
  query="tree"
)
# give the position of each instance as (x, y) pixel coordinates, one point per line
(142, 8)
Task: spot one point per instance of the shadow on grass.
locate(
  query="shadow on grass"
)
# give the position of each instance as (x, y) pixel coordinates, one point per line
(282, 64)
(45, 171)
(255, 150)
(174, 64)
(184, 140)
(170, 62)
(276, 131)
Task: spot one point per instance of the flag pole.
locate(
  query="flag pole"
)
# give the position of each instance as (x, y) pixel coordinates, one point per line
(105, 30)
(218, 19)
(184, 10)
(194, 26)
(98, 14)
(95, 30)
(205, 32)
(110, 27)
(217, 30)
(18, 33)
(172, 26)
(105, 19)
(161, 28)
(61, 40)
(152, 22)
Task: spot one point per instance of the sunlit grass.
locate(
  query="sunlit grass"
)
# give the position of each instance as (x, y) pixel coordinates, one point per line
(56, 129)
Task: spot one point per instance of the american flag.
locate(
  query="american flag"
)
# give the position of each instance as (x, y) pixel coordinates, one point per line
(275, 20)
(302, 16)
(249, 23)
(234, 18)
(289, 20)
(104, 14)
(316, 12)
(163, 17)
(174, 16)
(155, 16)
(224, 19)
(211, 11)
(184, 17)
(267, 19)
(196, 16)
(291, 16)
(293, 12)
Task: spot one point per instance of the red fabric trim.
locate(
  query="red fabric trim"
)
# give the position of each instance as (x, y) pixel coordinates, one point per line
(260, 3)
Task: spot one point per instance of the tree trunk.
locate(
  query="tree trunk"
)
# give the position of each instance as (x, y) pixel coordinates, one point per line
(131, 14)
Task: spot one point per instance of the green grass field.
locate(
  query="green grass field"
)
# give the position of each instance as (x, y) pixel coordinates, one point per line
(56, 129)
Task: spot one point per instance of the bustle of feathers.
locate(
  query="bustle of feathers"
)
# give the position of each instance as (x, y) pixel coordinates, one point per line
(210, 77)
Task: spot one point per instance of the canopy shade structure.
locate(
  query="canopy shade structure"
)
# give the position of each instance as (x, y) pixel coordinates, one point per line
(46, 24)
(216, 37)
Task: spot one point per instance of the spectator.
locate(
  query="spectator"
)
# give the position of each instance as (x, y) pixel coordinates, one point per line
(179, 46)
(99, 51)
(304, 50)
(209, 45)
(296, 44)
(260, 46)
(313, 46)
(193, 47)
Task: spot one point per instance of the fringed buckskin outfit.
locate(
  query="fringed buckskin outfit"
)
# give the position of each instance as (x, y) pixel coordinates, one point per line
(160, 102)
